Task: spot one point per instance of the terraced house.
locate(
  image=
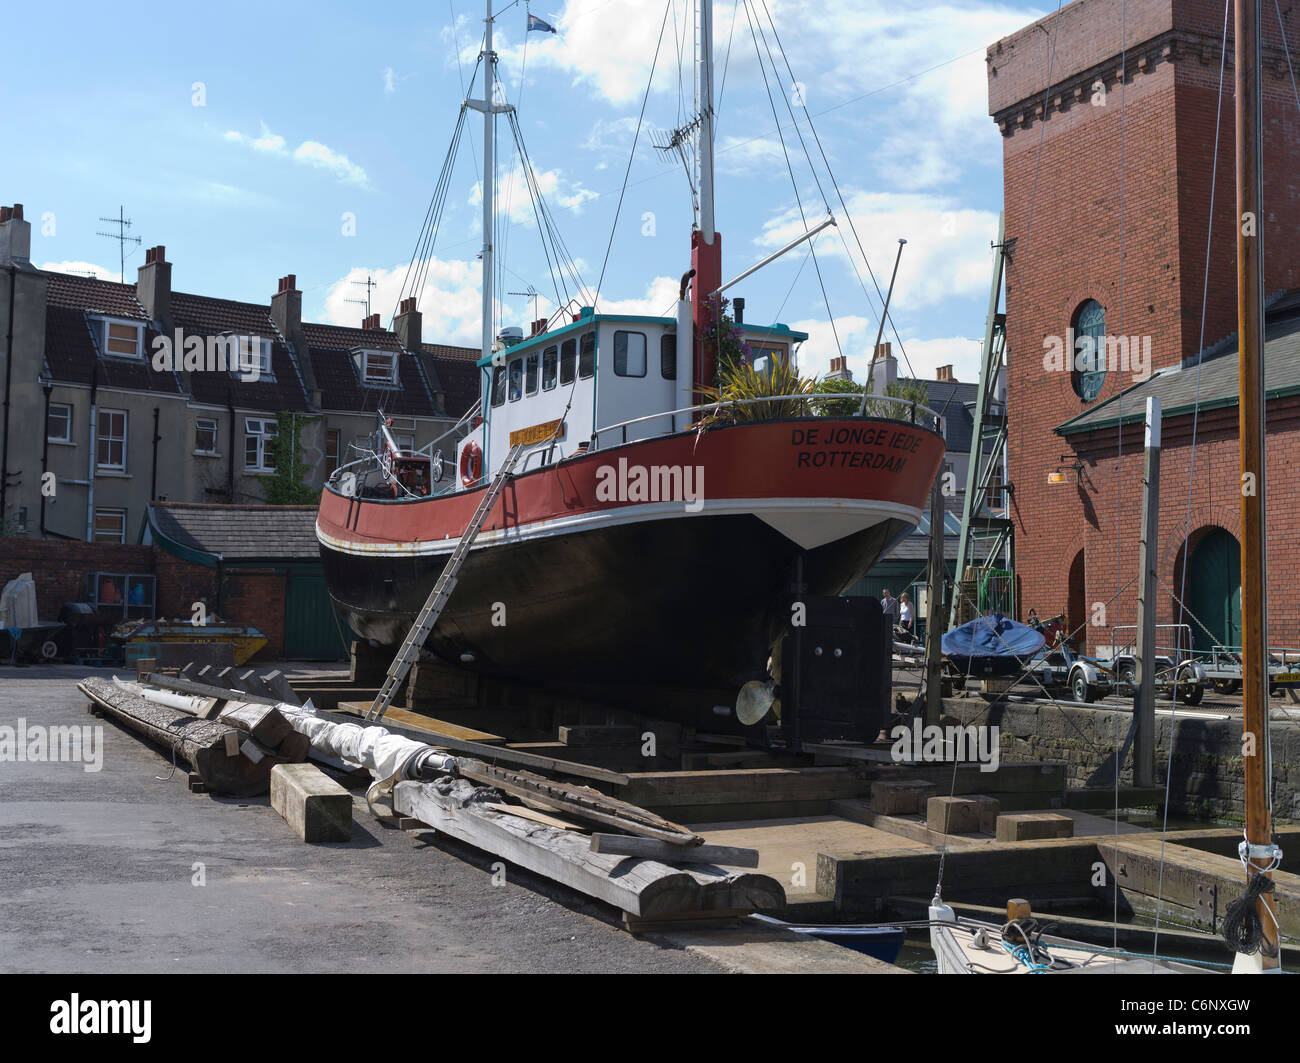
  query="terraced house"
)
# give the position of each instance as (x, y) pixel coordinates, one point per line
(116, 395)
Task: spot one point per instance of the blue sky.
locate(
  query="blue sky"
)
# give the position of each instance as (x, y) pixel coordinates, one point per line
(240, 136)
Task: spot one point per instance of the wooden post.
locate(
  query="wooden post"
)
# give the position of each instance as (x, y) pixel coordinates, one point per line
(934, 621)
(1144, 703)
(1250, 367)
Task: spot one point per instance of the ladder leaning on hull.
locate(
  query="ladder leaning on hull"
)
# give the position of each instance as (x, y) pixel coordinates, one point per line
(437, 600)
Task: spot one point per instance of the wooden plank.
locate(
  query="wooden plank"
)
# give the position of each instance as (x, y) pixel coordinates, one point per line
(205, 689)
(420, 722)
(649, 849)
(277, 686)
(599, 735)
(661, 789)
(264, 722)
(314, 805)
(640, 887)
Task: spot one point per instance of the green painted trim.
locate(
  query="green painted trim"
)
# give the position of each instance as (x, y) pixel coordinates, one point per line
(778, 330)
(1071, 428)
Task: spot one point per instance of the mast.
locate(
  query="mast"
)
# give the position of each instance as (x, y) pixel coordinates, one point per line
(704, 155)
(1250, 331)
(706, 241)
(490, 109)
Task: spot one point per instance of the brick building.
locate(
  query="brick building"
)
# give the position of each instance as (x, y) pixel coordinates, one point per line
(1109, 143)
(92, 397)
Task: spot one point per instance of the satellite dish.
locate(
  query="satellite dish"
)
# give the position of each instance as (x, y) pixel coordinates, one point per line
(754, 701)
(348, 485)
(436, 467)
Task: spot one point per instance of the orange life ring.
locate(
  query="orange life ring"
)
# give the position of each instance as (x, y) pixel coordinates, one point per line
(471, 464)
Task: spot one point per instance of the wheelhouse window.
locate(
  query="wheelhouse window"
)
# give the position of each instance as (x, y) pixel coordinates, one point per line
(530, 375)
(259, 439)
(1088, 371)
(516, 390)
(109, 526)
(765, 359)
(498, 385)
(121, 338)
(668, 356)
(549, 360)
(110, 440)
(629, 353)
(587, 356)
(205, 435)
(58, 423)
(568, 361)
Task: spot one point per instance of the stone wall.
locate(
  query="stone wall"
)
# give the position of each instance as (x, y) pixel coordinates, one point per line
(1208, 769)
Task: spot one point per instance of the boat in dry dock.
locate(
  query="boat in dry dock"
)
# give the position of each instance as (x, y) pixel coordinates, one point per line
(643, 529)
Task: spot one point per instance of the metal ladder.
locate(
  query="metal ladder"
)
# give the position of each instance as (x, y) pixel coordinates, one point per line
(437, 600)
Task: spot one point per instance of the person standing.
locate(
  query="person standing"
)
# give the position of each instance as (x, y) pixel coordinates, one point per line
(905, 613)
(889, 606)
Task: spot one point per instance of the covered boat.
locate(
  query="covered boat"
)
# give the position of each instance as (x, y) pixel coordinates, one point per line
(993, 645)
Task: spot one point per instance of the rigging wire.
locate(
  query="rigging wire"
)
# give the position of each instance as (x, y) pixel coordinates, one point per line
(1119, 428)
(1191, 470)
(840, 195)
(790, 169)
(631, 155)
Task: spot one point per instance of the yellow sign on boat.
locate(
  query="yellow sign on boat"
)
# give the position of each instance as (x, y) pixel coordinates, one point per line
(538, 433)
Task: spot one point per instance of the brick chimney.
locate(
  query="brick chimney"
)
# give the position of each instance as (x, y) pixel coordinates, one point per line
(840, 369)
(153, 285)
(286, 307)
(884, 368)
(371, 323)
(944, 375)
(538, 327)
(407, 324)
(15, 236)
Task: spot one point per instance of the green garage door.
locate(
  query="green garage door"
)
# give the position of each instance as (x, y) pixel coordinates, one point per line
(1214, 590)
(311, 631)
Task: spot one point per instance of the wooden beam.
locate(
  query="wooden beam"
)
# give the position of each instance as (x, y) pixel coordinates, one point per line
(639, 887)
(649, 849)
(496, 754)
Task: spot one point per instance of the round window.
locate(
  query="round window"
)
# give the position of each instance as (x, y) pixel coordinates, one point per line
(1088, 372)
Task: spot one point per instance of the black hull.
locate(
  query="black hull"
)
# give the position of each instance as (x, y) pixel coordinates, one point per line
(673, 615)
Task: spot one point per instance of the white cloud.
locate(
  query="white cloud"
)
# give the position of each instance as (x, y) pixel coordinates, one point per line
(513, 197)
(81, 269)
(309, 152)
(947, 252)
(316, 154)
(917, 119)
(390, 80)
(267, 141)
(450, 301)
(660, 300)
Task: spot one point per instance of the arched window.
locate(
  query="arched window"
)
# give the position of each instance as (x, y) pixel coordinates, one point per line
(1088, 368)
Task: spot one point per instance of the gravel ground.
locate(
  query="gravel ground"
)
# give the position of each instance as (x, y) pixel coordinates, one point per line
(99, 871)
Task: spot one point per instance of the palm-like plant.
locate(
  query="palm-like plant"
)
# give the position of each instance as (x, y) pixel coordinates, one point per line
(739, 382)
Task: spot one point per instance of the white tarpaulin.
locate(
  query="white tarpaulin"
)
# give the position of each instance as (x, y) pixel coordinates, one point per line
(18, 603)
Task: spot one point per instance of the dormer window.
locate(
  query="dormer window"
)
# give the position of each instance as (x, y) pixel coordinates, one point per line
(378, 369)
(121, 338)
(250, 355)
